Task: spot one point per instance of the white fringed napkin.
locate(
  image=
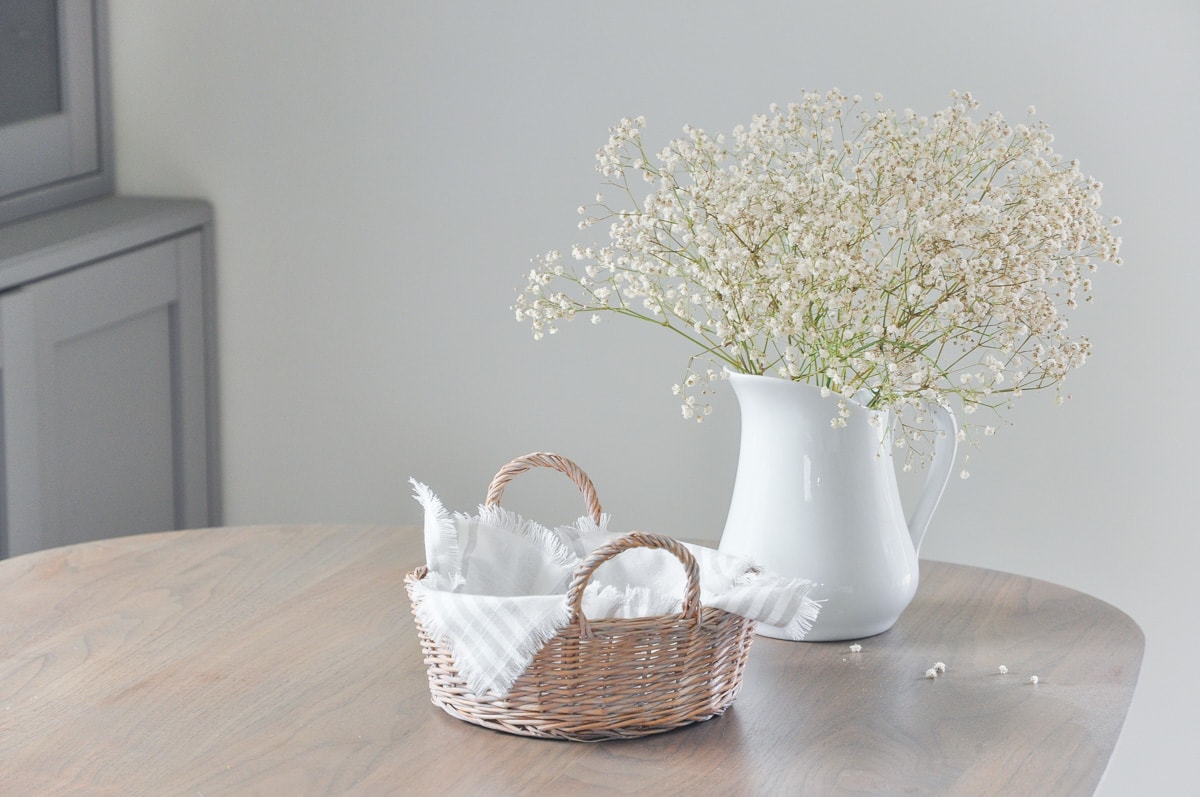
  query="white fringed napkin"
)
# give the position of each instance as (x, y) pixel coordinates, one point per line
(497, 583)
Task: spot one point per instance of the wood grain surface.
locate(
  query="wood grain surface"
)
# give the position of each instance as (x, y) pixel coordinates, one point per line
(283, 661)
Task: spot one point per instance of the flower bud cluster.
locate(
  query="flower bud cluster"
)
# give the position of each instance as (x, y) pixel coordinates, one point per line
(922, 259)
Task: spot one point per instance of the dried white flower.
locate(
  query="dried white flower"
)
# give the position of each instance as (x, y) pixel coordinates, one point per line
(931, 673)
(1033, 679)
(1003, 670)
(921, 259)
(856, 648)
(940, 667)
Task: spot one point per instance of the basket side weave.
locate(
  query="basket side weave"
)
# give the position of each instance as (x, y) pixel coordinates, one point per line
(632, 677)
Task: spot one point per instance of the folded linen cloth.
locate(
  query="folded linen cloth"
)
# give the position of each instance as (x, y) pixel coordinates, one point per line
(497, 583)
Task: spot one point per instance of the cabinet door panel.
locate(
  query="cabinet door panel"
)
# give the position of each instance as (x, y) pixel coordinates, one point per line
(110, 350)
(112, 458)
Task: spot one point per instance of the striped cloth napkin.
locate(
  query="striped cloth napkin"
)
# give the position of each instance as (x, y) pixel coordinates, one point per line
(497, 582)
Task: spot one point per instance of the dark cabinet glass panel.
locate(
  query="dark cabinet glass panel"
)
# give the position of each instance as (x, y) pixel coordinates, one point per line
(29, 64)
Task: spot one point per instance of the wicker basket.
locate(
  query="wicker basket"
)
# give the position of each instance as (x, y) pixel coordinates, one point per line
(607, 679)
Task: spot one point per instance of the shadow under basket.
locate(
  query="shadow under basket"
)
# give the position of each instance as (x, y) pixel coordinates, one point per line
(605, 679)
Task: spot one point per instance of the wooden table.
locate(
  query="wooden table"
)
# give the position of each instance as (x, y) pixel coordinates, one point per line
(283, 661)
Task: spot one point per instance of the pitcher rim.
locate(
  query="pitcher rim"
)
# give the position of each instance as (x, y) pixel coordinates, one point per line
(731, 375)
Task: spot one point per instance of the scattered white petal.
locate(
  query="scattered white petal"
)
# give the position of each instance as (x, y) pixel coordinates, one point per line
(856, 648)
(1033, 679)
(1003, 670)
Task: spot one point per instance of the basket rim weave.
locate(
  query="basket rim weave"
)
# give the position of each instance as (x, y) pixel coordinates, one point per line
(616, 678)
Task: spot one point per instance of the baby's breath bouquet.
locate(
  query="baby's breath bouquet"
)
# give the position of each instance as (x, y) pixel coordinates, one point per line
(894, 258)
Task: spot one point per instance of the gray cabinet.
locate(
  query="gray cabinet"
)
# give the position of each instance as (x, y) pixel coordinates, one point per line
(107, 377)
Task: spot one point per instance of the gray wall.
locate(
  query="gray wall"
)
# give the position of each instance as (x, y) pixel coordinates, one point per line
(383, 172)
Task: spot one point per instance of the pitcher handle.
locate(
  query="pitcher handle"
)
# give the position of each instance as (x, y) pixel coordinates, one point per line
(945, 449)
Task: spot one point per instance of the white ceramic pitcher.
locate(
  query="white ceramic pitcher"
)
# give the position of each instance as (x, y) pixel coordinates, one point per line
(821, 502)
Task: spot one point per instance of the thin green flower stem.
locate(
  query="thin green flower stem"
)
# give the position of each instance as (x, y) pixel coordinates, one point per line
(707, 347)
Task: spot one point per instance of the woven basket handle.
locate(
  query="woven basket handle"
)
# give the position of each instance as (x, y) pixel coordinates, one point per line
(544, 460)
(635, 539)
